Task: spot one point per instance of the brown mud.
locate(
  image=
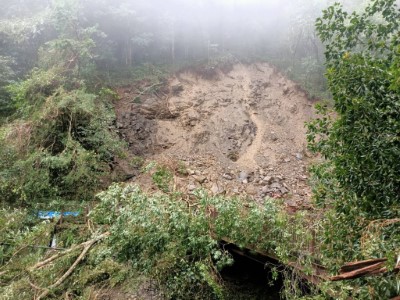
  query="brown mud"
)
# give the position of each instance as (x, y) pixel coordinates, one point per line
(240, 133)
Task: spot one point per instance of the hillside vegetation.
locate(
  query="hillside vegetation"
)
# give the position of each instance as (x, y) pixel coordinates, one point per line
(165, 134)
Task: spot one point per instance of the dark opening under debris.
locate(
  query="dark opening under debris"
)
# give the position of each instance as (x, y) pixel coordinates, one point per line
(251, 276)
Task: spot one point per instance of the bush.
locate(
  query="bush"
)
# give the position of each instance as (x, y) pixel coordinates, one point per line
(360, 180)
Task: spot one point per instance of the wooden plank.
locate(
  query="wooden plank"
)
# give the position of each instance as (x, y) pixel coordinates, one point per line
(358, 273)
(360, 264)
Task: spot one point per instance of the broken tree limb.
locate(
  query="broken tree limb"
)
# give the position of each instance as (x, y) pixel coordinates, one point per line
(357, 273)
(60, 254)
(360, 264)
(87, 246)
(54, 257)
(373, 269)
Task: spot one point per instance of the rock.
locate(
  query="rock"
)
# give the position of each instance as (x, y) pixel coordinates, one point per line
(290, 203)
(286, 160)
(251, 190)
(265, 189)
(276, 185)
(214, 189)
(227, 176)
(243, 176)
(299, 156)
(268, 179)
(284, 190)
(217, 189)
(120, 125)
(245, 181)
(191, 187)
(273, 137)
(200, 178)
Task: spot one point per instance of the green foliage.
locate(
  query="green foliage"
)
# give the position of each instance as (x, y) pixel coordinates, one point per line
(62, 145)
(62, 152)
(31, 93)
(165, 239)
(6, 75)
(23, 237)
(137, 161)
(360, 179)
(162, 178)
(151, 236)
(161, 238)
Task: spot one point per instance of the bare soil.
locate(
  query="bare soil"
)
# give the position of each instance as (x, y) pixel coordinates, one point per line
(240, 133)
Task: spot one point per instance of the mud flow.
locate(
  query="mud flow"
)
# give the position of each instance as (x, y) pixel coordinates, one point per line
(240, 133)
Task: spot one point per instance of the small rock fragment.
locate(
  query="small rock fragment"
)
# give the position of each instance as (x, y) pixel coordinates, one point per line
(191, 187)
(243, 176)
(227, 176)
(200, 178)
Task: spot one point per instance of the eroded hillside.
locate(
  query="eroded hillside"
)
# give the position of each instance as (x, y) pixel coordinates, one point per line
(240, 132)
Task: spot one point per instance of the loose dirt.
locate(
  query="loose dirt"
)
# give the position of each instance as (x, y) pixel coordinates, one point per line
(241, 133)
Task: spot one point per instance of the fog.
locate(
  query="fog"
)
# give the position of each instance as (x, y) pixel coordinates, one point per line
(166, 31)
(175, 32)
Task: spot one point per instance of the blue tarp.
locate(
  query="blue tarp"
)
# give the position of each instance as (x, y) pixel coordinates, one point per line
(55, 214)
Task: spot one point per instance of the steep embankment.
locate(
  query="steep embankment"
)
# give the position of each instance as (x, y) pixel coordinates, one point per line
(241, 133)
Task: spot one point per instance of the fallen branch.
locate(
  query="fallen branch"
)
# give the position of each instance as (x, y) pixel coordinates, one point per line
(54, 257)
(87, 245)
(363, 268)
(358, 273)
(34, 286)
(360, 264)
(60, 254)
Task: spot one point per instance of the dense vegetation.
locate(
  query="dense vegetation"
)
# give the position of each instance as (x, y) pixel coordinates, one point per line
(359, 183)
(59, 64)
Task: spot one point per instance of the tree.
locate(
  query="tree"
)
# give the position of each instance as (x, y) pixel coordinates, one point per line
(60, 145)
(360, 180)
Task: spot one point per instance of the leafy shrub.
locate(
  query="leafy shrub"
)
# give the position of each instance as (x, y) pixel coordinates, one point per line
(62, 152)
(177, 245)
(360, 180)
(162, 178)
(61, 146)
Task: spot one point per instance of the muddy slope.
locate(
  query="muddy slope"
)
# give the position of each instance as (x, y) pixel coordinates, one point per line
(241, 133)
